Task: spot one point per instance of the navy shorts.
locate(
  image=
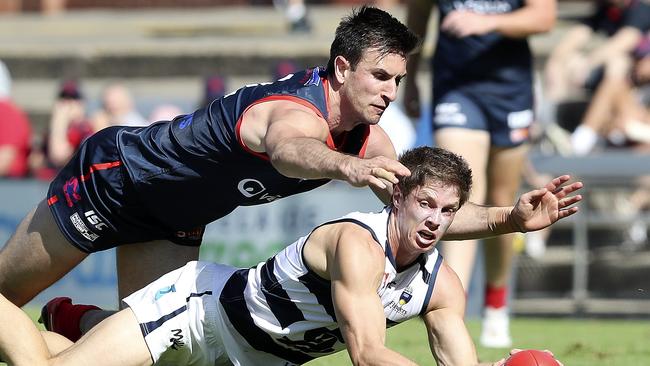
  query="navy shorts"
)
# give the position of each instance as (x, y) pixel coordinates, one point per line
(508, 124)
(96, 206)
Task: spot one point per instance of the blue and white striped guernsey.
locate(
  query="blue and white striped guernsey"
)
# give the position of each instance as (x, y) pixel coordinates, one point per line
(283, 309)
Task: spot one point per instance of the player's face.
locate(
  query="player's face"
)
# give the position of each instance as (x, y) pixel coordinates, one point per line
(372, 85)
(424, 216)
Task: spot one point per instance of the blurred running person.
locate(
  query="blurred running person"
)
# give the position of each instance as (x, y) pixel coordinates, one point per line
(483, 108)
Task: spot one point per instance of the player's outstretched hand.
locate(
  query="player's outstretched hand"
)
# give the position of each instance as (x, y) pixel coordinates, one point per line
(543, 207)
(375, 172)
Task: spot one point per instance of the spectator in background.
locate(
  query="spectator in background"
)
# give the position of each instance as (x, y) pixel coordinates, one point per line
(15, 132)
(618, 113)
(118, 109)
(569, 67)
(164, 112)
(214, 87)
(68, 128)
(483, 109)
(296, 13)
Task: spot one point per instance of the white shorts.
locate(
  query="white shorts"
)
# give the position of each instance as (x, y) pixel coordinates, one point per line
(178, 315)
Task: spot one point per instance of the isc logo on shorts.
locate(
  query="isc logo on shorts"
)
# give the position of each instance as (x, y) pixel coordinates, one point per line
(82, 228)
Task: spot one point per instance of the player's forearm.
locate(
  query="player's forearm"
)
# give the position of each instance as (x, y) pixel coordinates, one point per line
(309, 159)
(379, 356)
(526, 21)
(474, 222)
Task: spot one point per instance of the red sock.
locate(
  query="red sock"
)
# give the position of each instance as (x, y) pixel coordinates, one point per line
(495, 297)
(70, 319)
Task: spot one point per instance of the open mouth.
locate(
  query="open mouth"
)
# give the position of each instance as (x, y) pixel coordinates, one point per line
(426, 235)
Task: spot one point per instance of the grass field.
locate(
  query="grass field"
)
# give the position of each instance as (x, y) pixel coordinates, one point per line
(588, 342)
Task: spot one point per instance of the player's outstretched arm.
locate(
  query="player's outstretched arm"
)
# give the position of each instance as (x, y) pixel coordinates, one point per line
(533, 211)
(300, 151)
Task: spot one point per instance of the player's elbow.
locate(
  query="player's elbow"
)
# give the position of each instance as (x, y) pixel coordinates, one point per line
(547, 22)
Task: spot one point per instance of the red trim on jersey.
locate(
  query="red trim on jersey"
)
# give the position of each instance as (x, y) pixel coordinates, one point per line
(52, 200)
(270, 99)
(100, 166)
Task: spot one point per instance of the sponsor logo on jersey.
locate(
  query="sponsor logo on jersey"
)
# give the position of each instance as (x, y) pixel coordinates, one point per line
(254, 188)
(70, 191)
(406, 296)
(164, 291)
(82, 228)
(177, 339)
(396, 308)
(194, 234)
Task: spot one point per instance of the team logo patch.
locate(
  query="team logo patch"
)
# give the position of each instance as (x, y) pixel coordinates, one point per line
(82, 228)
(312, 77)
(70, 189)
(164, 291)
(406, 296)
(186, 121)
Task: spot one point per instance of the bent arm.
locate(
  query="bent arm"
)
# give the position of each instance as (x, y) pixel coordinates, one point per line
(299, 150)
(356, 267)
(537, 16)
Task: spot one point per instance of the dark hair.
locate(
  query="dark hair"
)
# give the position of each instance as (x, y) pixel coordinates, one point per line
(69, 89)
(370, 28)
(440, 165)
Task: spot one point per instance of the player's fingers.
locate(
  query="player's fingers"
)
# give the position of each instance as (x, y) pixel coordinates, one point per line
(567, 212)
(396, 168)
(569, 201)
(557, 182)
(384, 174)
(374, 182)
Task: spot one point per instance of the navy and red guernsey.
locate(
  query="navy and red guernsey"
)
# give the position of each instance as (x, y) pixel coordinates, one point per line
(183, 174)
(196, 169)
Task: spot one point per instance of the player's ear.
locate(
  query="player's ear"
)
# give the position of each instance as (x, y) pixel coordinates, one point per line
(341, 68)
(397, 198)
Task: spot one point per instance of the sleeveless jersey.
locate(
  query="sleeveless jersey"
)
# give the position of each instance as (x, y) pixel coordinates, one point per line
(196, 168)
(489, 64)
(285, 310)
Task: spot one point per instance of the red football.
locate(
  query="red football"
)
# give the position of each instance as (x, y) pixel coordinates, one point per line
(531, 357)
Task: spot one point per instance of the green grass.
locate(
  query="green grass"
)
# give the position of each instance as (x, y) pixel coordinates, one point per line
(575, 342)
